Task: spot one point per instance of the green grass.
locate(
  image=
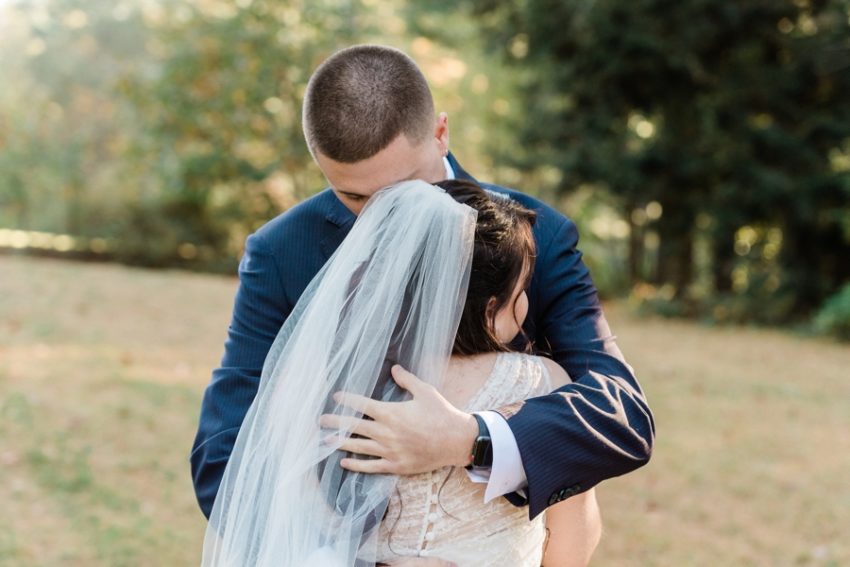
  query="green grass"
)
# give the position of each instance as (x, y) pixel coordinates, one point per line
(102, 369)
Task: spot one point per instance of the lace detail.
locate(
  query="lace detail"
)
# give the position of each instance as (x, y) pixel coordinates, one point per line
(442, 513)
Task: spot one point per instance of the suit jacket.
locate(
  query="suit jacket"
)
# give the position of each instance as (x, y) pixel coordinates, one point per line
(595, 428)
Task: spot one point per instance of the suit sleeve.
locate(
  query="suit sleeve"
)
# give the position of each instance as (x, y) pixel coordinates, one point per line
(259, 311)
(600, 425)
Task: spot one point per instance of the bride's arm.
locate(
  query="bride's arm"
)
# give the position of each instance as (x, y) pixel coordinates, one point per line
(574, 525)
(574, 528)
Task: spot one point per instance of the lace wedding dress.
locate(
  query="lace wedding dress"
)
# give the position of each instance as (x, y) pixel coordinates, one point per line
(442, 513)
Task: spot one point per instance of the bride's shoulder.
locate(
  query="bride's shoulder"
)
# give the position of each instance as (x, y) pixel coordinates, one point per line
(557, 375)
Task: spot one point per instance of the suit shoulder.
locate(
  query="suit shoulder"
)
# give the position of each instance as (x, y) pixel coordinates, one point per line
(297, 219)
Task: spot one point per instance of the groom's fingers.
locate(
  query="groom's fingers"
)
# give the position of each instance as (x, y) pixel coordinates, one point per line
(364, 405)
(407, 380)
(372, 466)
(422, 562)
(350, 424)
(359, 446)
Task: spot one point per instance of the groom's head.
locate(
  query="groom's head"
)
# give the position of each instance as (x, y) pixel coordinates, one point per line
(369, 122)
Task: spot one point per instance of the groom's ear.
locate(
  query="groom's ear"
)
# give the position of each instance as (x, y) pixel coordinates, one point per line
(441, 133)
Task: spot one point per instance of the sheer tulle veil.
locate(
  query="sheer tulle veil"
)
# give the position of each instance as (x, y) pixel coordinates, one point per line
(393, 292)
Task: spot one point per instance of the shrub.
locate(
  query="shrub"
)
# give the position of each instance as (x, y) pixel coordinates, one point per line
(834, 316)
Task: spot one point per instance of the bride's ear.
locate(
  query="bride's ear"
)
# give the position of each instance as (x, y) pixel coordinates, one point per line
(490, 311)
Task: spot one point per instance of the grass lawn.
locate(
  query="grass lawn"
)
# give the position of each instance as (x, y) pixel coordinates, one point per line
(102, 369)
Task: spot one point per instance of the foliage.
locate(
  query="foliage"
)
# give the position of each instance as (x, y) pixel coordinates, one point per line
(702, 148)
(173, 128)
(223, 133)
(732, 119)
(834, 317)
(63, 135)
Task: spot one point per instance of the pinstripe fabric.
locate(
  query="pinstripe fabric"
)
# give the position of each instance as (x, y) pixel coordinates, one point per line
(595, 428)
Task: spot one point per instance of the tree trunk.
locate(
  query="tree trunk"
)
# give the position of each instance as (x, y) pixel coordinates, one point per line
(723, 258)
(675, 254)
(636, 250)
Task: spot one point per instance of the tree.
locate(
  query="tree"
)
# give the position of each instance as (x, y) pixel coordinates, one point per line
(731, 116)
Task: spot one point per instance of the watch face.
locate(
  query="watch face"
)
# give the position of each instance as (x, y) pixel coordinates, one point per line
(479, 451)
(482, 455)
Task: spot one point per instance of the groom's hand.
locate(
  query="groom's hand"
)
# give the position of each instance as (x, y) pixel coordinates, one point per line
(420, 562)
(418, 435)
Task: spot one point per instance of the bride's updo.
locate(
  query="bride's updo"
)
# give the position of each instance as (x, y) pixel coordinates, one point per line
(503, 253)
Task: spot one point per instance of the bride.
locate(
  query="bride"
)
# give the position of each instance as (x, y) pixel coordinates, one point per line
(430, 280)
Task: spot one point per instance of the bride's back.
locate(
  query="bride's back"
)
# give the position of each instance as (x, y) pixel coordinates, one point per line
(442, 513)
(466, 375)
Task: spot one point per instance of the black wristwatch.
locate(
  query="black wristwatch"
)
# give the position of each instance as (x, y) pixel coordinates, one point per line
(482, 448)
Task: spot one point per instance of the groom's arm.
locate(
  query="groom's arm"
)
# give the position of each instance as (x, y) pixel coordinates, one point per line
(600, 425)
(597, 427)
(259, 311)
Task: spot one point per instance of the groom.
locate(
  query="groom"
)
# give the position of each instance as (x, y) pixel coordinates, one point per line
(369, 122)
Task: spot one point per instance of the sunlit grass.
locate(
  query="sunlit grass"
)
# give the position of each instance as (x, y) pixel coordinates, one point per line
(102, 369)
(101, 372)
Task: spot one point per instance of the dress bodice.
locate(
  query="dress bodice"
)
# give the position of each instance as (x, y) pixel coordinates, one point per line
(442, 513)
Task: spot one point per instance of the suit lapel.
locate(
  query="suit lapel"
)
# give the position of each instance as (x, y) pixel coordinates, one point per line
(339, 221)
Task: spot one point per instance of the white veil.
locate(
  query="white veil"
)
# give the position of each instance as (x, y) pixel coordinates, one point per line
(393, 292)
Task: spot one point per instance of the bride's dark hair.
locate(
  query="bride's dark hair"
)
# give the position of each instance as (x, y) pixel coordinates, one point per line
(503, 252)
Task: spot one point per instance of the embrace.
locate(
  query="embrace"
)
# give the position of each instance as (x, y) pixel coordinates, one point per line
(418, 370)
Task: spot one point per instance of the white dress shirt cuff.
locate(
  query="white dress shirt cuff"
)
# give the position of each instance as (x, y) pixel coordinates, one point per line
(507, 474)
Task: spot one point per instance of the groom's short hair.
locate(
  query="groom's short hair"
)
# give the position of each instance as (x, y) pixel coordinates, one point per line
(361, 98)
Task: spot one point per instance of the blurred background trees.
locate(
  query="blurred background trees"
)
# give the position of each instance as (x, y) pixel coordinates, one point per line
(702, 147)
(720, 129)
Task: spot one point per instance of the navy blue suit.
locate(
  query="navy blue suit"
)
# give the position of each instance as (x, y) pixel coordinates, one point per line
(598, 427)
